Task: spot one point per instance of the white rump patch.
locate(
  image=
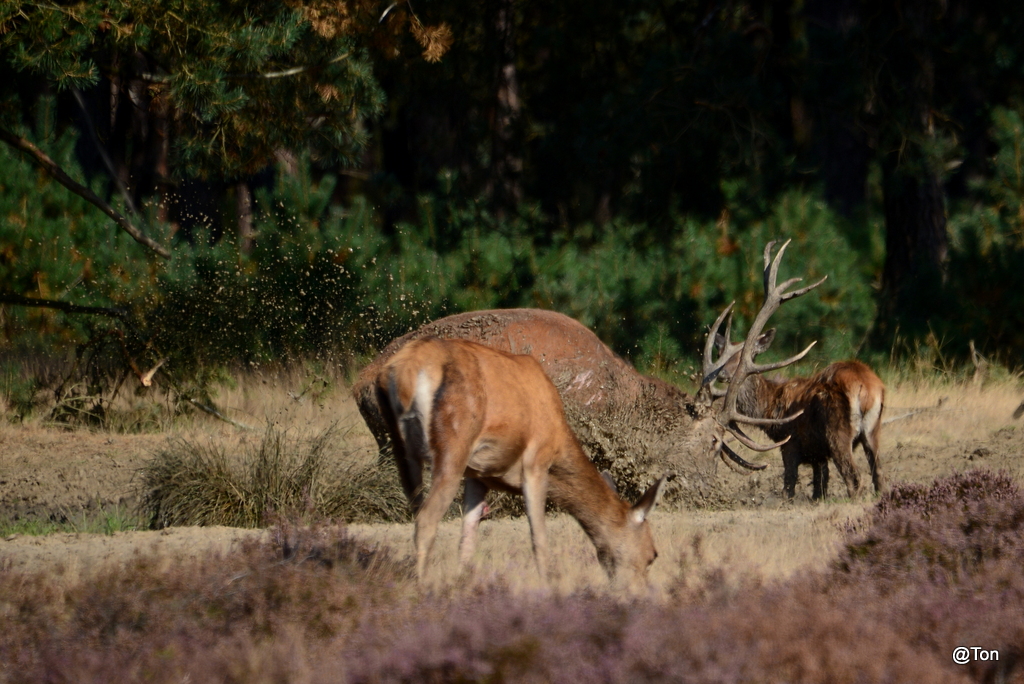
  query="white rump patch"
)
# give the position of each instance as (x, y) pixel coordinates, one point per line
(423, 400)
(871, 418)
(856, 417)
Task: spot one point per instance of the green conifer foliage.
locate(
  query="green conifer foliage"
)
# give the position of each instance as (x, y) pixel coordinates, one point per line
(235, 81)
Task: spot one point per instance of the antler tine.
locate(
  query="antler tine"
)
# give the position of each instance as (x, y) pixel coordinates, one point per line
(765, 422)
(711, 367)
(774, 296)
(709, 344)
(746, 441)
(786, 296)
(724, 450)
(775, 365)
(770, 273)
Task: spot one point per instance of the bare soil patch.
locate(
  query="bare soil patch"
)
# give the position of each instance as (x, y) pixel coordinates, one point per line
(52, 472)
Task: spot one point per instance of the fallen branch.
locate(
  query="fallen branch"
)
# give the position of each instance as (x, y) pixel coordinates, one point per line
(917, 411)
(40, 159)
(217, 414)
(11, 298)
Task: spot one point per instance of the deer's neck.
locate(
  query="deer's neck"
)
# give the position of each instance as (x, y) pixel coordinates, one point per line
(765, 398)
(577, 487)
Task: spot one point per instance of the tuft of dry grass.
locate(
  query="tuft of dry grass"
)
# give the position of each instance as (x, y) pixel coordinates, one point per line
(196, 482)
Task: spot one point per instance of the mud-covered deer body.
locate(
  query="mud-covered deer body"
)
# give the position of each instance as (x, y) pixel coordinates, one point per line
(496, 420)
(636, 426)
(842, 408)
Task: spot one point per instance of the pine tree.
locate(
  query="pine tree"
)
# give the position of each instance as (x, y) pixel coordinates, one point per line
(204, 88)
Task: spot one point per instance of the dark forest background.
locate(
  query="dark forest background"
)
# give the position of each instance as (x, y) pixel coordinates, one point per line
(214, 183)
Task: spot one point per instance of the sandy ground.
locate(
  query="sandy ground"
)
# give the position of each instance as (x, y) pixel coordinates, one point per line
(48, 472)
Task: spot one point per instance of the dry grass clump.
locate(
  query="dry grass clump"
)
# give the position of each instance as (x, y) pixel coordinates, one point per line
(191, 482)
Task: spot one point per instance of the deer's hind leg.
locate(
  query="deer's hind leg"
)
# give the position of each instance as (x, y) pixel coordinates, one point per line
(408, 457)
(449, 467)
(450, 449)
(473, 503)
(840, 447)
(819, 483)
(870, 445)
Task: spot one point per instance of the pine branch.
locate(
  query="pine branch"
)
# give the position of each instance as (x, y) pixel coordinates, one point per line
(11, 298)
(292, 71)
(40, 159)
(127, 196)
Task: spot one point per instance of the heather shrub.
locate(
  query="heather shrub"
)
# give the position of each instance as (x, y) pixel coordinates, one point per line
(958, 491)
(942, 564)
(786, 634)
(234, 617)
(945, 532)
(311, 604)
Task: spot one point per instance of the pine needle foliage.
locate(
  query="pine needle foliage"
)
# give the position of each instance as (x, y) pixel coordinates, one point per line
(237, 82)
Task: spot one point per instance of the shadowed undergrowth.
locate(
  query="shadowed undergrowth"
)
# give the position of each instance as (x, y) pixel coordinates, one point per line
(934, 568)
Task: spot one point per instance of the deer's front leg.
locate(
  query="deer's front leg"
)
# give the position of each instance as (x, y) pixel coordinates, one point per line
(790, 470)
(535, 492)
(820, 481)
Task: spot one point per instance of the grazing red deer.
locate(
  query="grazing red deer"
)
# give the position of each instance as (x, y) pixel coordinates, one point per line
(495, 420)
(635, 426)
(841, 407)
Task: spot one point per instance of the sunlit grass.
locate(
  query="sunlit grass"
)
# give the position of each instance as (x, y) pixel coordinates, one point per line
(108, 521)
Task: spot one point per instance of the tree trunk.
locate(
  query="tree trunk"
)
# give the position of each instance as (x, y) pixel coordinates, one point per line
(243, 212)
(915, 246)
(842, 149)
(506, 164)
(914, 200)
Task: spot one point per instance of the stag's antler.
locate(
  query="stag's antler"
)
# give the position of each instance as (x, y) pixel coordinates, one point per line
(730, 417)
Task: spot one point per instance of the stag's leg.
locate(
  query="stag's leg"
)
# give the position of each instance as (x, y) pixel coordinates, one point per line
(535, 492)
(841, 453)
(869, 443)
(473, 504)
(790, 470)
(819, 481)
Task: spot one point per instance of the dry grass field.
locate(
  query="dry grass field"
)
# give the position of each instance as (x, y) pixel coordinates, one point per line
(49, 472)
(765, 590)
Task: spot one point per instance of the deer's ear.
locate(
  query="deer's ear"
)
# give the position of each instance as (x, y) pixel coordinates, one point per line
(648, 501)
(764, 341)
(611, 483)
(719, 342)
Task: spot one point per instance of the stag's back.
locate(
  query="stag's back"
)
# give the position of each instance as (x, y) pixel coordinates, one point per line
(863, 390)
